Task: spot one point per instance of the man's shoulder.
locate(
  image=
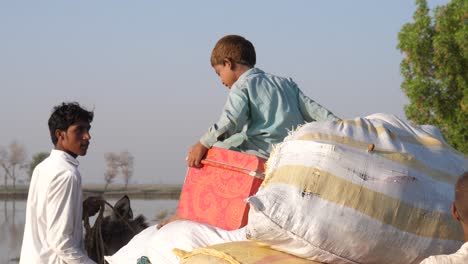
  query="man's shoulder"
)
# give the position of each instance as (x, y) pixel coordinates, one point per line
(458, 257)
(442, 259)
(55, 166)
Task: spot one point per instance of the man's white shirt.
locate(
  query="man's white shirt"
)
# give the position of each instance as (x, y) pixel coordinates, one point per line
(53, 230)
(459, 257)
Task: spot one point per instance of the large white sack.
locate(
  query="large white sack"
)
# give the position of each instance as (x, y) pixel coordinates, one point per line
(328, 198)
(157, 245)
(135, 249)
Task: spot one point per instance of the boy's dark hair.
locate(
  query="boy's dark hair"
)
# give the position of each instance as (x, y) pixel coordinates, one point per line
(461, 196)
(233, 47)
(64, 115)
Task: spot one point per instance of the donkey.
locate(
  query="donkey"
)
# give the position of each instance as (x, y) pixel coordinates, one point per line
(112, 232)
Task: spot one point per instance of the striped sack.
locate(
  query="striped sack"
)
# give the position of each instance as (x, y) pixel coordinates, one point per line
(368, 190)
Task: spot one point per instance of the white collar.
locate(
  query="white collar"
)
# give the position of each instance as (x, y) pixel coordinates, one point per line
(62, 154)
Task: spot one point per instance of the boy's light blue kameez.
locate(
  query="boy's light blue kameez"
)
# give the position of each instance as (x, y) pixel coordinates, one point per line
(269, 106)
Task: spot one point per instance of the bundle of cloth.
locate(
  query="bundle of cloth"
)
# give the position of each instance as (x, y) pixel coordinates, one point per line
(369, 190)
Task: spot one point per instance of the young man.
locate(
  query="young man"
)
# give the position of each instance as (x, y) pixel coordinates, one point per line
(53, 230)
(261, 107)
(460, 213)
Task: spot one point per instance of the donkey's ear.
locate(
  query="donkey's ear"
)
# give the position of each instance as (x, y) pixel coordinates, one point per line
(123, 209)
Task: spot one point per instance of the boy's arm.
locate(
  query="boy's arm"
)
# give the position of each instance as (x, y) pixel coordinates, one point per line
(312, 111)
(63, 211)
(232, 120)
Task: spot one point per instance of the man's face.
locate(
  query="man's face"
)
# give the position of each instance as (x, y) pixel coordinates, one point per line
(227, 75)
(75, 140)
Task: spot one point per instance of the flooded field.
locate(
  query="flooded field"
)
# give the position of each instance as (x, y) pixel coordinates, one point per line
(12, 216)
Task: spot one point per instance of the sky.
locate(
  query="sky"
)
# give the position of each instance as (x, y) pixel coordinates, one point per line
(143, 67)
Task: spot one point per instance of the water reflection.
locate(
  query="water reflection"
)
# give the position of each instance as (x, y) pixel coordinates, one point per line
(11, 230)
(12, 222)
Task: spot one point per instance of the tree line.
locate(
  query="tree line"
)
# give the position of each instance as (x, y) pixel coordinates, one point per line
(435, 69)
(13, 161)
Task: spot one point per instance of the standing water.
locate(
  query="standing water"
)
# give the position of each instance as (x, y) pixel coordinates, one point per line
(12, 217)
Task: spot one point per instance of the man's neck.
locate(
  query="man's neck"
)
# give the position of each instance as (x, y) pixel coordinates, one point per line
(59, 147)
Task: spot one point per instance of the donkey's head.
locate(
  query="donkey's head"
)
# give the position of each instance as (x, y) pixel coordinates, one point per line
(116, 229)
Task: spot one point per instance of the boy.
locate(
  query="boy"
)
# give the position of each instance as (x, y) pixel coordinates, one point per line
(261, 107)
(53, 230)
(460, 213)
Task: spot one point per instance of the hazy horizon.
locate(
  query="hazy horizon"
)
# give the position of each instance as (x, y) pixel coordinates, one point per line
(144, 68)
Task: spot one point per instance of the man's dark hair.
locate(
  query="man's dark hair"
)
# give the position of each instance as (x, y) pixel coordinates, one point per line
(66, 114)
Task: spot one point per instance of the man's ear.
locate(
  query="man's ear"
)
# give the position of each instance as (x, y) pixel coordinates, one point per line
(455, 212)
(59, 134)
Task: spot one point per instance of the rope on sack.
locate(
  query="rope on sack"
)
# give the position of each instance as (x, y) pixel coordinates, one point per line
(95, 241)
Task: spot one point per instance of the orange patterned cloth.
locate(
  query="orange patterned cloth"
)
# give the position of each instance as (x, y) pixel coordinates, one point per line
(215, 193)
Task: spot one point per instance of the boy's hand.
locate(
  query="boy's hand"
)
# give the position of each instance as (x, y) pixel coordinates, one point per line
(196, 153)
(92, 205)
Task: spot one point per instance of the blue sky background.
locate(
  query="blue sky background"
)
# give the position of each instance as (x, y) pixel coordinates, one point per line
(143, 66)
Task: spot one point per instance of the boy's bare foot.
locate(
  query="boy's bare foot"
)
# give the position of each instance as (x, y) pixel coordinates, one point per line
(174, 217)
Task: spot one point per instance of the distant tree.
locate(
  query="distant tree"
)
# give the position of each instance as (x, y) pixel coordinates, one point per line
(435, 69)
(113, 163)
(12, 160)
(123, 161)
(126, 163)
(36, 159)
(3, 159)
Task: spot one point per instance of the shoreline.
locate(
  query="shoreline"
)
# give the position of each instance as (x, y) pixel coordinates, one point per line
(160, 191)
